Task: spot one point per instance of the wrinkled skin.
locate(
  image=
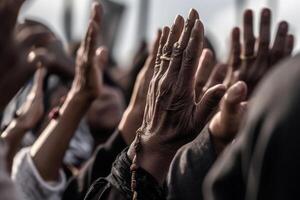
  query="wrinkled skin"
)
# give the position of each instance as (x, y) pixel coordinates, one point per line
(172, 115)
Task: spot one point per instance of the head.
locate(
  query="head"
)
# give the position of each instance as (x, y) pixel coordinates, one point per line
(105, 113)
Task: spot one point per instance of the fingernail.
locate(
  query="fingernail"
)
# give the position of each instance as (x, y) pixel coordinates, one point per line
(284, 25)
(266, 12)
(236, 91)
(192, 13)
(177, 18)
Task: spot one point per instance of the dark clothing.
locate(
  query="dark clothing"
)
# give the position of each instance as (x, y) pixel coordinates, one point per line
(117, 185)
(98, 166)
(264, 161)
(189, 168)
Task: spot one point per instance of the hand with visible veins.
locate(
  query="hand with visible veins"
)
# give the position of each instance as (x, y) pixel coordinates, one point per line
(247, 63)
(172, 115)
(133, 115)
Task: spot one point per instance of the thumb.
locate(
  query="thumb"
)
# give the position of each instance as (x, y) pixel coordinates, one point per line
(101, 58)
(209, 103)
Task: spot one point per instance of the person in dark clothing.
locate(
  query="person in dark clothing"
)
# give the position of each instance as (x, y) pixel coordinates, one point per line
(98, 166)
(193, 161)
(263, 162)
(101, 163)
(171, 131)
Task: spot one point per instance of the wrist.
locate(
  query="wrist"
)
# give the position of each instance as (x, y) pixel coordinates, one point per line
(155, 162)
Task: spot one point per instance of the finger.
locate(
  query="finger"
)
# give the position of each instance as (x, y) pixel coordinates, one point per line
(249, 39)
(155, 46)
(205, 67)
(278, 48)
(217, 76)
(38, 83)
(96, 12)
(235, 57)
(181, 45)
(90, 48)
(150, 62)
(173, 37)
(265, 32)
(289, 45)
(235, 95)
(191, 57)
(35, 39)
(162, 42)
(101, 58)
(209, 103)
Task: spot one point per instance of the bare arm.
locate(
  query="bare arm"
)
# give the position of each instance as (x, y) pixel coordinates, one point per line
(48, 151)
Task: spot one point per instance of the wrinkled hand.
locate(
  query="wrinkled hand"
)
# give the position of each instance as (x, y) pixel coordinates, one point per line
(249, 65)
(172, 115)
(88, 77)
(225, 124)
(31, 112)
(133, 116)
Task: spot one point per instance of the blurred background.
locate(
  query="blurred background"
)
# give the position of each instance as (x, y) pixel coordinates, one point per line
(128, 22)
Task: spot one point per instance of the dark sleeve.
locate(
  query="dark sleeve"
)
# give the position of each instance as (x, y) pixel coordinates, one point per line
(117, 185)
(97, 166)
(189, 168)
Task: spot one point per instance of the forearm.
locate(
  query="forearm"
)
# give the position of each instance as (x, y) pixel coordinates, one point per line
(48, 151)
(13, 136)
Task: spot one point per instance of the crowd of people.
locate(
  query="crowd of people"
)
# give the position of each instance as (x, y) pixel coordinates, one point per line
(184, 126)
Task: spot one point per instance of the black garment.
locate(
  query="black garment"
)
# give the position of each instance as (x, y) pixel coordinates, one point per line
(264, 161)
(189, 168)
(117, 185)
(98, 166)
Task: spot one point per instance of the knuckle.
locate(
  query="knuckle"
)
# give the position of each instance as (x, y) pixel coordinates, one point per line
(188, 57)
(177, 50)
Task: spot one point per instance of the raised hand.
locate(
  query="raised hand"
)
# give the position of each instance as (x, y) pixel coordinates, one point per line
(47, 46)
(87, 85)
(88, 79)
(133, 116)
(225, 124)
(27, 116)
(172, 115)
(31, 112)
(250, 65)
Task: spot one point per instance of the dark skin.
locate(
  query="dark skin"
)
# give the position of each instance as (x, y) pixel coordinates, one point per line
(133, 115)
(171, 100)
(17, 60)
(249, 64)
(225, 124)
(54, 55)
(29, 115)
(86, 87)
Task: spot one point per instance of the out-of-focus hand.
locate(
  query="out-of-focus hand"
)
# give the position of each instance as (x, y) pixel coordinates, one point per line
(133, 116)
(39, 38)
(87, 83)
(31, 112)
(172, 116)
(250, 65)
(225, 124)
